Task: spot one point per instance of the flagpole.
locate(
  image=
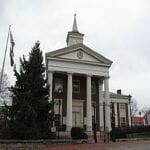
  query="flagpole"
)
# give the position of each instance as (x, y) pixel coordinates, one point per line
(2, 71)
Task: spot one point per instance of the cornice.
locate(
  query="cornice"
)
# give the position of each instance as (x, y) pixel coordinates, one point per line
(118, 96)
(78, 61)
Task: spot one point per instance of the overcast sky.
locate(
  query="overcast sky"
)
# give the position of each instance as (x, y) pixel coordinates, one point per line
(117, 29)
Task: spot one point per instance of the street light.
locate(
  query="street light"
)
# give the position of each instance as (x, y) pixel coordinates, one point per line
(94, 125)
(59, 103)
(104, 122)
(112, 116)
(140, 118)
(129, 96)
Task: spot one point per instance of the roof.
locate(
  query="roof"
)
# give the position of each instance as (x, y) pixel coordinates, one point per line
(75, 27)
(119, 96)
(84, 48)
(137, 119)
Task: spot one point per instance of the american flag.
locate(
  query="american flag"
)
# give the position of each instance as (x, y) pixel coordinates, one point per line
(12, 44)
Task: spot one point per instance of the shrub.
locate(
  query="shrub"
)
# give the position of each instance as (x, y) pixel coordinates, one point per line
(138, 129)
(117, 133)
(135, 131)
(17, 132)
(78, 133)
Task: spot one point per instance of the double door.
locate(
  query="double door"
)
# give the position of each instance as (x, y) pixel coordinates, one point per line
(77, 114)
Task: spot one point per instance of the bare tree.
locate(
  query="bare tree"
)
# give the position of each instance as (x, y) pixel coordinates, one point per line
(145, 109)
(134, 108)
(5, 93)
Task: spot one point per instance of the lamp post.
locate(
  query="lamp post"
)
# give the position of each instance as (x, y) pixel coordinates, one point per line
(104, 122)
(129, 96)
(140, 119)
(94, 127)
(112, 116)
(59, 104)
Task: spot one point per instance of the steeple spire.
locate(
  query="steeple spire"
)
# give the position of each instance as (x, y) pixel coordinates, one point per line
(75, 27)
(74, 36)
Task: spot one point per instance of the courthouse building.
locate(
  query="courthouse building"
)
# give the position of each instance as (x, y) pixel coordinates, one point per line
(79, 87)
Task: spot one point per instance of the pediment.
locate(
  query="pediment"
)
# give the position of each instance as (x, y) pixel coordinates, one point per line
(79, 53)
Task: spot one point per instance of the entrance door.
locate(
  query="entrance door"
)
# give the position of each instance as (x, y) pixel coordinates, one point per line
(77, 113)
(76, 118)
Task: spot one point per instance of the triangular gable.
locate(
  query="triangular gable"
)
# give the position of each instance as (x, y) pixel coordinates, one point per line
(79, 52)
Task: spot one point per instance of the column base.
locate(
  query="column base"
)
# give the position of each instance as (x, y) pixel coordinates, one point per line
(101, 128)
(68, 128)
(107, 129)
(90, 134)
(89, 128)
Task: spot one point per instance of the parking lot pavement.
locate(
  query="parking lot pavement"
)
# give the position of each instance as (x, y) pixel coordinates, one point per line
(131, 145)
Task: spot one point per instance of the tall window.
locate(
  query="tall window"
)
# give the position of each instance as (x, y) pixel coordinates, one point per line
(122, 106)
(76, 86)
(58, 84)
(93, 86)
(122, 113)
(123, 121)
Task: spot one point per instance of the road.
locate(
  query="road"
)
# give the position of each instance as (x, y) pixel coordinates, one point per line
(132, 145)
(140, 146)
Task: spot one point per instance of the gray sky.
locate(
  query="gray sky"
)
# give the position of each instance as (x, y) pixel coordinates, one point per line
(117, 29)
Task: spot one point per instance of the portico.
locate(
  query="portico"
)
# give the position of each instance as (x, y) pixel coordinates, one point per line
(81, 108)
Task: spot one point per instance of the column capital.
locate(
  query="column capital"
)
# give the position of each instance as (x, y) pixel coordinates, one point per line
(50, 71)
(89, 75)
(106, 78)
(71, 73)
(101, 80)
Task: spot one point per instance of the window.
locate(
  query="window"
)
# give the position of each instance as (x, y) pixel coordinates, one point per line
(57, 120)
(122, 106)
(123, 121)
(93, 87)
(76, 86)
(58, 84)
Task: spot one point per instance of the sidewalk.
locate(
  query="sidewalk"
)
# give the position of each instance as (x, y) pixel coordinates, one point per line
(133, 139)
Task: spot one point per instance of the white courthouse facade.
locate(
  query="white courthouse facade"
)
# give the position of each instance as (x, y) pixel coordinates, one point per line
(79, 87)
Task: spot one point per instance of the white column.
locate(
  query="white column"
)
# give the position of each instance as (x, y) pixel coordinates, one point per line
(101, 115)
(69, 103)
(129, 114)
(50, 81)
(116, 115)
(89, 105)
(107, 105)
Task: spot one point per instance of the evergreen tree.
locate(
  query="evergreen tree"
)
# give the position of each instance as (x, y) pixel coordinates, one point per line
(30, 114)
